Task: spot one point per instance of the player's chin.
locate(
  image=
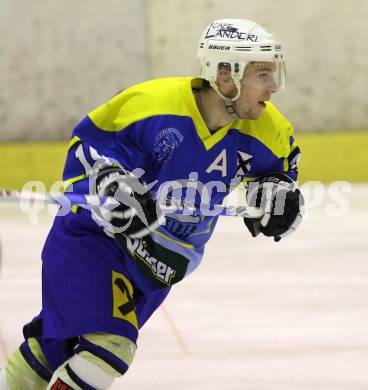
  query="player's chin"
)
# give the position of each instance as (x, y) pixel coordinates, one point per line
(254, 114)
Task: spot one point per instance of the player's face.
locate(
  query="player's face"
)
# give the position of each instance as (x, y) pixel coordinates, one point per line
(257, 86)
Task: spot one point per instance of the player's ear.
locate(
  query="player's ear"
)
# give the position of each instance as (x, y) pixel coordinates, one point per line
(224, 80)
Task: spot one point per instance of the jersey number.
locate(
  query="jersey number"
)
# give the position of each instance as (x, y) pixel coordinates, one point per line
(123, 302)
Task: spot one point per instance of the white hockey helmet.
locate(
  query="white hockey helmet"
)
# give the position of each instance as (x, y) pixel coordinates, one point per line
(235, 43)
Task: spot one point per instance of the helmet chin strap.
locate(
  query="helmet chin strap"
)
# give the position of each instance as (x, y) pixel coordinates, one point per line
(229, 102)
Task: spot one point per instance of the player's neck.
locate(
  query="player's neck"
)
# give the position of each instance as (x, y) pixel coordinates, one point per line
(212, 109)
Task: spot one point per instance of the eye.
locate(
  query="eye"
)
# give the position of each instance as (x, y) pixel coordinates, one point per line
(263, 75)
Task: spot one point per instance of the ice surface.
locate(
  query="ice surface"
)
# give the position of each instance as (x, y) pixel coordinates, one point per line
(256, 315)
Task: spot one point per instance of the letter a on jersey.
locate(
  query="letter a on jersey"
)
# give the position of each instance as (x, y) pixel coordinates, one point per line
(219, 164)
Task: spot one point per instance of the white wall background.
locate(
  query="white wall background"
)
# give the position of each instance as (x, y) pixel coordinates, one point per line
(60, 59)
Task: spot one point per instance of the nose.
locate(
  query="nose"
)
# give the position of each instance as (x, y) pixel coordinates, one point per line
(272, 87)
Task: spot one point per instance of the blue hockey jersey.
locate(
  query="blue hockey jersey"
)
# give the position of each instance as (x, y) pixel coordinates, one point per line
(156, 126)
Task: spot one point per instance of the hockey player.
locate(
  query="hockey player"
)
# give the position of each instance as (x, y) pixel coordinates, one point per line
(105, 273)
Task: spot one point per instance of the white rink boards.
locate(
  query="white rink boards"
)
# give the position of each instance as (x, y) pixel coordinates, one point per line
(256, 315)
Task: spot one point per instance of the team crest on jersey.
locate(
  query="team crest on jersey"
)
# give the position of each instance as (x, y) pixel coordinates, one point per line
(244, 163)
(167, 140)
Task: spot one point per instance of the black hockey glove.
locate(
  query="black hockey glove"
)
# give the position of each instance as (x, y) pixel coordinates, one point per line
(281, 201)
(137, 213)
